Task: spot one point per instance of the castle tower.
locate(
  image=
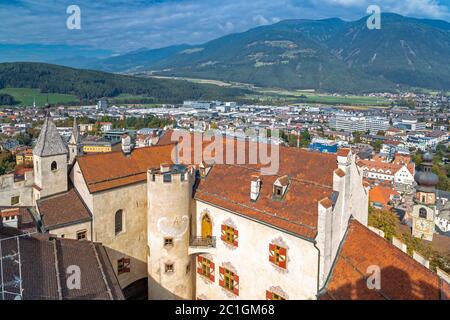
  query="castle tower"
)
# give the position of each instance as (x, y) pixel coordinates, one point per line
(170, 274)
(424, 209)
(50, 162)
(75, 145)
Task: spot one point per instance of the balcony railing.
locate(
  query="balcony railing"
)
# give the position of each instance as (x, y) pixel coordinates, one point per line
(203, 242)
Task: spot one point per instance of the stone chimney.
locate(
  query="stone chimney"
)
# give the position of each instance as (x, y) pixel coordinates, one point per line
(255, 187)
(126, 144)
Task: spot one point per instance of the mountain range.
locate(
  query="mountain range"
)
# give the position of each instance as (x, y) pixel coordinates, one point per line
(329, 55)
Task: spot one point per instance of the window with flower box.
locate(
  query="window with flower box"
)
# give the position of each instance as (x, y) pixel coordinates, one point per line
(230, 235)
(229, 280)
(205, 268)
(277, 255)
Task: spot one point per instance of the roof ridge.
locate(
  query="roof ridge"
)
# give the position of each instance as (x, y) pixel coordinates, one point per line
(108, 289)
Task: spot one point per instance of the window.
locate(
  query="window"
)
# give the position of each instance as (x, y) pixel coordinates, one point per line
(423, 213)
(15, 200)
(54, 166)
(278, 192)
(123, 265)
(229, 280)
(277, 255)
(168, 242)
(167, 177)
(118, 222)
(169, 267)
(229, 235)
(273, 296)
(82, 235)
(205, 268)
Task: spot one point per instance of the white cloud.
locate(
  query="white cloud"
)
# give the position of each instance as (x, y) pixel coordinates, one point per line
(127, 25)
(261, 20)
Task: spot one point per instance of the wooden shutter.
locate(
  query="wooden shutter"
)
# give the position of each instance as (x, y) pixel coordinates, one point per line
(236, 235)
(221, 277)
(199, 265)
(236, 285)
(271, 252)
(224, 233)
(282, 262)
(211, 271)
(126, 265)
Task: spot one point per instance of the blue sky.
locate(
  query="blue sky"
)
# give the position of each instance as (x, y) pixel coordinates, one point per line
(122, 26)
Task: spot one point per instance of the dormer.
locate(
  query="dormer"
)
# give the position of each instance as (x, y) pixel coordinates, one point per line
(204, 169)
(255, 187)
(280, 186)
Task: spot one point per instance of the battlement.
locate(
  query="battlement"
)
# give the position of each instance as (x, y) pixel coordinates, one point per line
(170, 173)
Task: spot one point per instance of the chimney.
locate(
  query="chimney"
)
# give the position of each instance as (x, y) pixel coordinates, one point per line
(255, 187)
(126, 144)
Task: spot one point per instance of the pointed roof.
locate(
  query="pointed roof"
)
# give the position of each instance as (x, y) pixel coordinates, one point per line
(75, 137)
(49, 142)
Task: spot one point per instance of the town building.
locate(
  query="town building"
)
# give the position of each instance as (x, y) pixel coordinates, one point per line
(400, 172)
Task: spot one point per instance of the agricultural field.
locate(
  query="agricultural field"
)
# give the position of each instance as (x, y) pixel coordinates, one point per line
(25, 97)
(309, 96)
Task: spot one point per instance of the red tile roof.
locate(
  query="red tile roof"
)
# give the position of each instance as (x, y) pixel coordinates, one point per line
(343, 152)
(103, 171)
(62, 209)
(295, 213)
(110, 170)
(381, 194)
(402, 278)
(300, 164)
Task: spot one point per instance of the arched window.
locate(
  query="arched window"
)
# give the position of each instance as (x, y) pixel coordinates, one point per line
(423, 213)
(118, 221)
(54, 166)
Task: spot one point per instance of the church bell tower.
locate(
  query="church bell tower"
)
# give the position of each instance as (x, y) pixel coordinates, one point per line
(50, 162)
(424, 209)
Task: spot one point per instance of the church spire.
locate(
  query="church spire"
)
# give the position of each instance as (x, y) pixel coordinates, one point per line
(75, 145)
(49, 142)
(75, 137)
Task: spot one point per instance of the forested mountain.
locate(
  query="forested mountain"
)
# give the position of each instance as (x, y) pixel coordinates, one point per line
(89, 85)
(330, 55)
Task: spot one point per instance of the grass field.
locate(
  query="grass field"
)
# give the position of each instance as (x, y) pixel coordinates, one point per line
(312, 97)
(25, 97)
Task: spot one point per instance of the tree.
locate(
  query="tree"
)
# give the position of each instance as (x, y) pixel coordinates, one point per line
(384, 220)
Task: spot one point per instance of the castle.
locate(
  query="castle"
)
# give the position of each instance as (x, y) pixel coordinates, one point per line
(197, 231)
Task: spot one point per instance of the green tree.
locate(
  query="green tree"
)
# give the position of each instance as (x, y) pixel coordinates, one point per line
(384, 220)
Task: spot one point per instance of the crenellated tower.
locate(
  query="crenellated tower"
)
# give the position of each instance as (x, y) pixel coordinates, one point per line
(170, 271)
